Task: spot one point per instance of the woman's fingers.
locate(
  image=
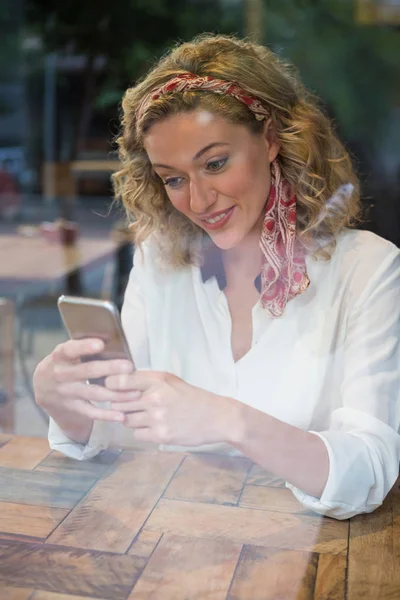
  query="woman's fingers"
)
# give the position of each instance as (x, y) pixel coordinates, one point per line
(139, 380)
(127, 406)
(99, 414)
(93, 369)
(72, 350)
(92, 392)
(126, 396)
(60, 382)
(137, 420)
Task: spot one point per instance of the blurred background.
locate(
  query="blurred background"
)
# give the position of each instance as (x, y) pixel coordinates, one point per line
(63, 69)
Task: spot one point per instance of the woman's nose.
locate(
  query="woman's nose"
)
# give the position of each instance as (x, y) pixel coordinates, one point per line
(201, 197)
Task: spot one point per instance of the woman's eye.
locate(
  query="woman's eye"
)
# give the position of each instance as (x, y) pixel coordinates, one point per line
(216, 165)
(173, 182)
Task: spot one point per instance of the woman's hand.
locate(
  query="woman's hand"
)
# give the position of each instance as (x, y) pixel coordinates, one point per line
(60, 383)
(168, 410)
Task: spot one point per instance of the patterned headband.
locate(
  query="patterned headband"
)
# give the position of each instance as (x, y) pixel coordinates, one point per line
(188, 81)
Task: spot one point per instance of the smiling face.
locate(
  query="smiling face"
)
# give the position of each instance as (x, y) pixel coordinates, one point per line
(215, 173)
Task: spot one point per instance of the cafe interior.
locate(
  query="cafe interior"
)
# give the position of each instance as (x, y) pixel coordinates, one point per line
(134, 522)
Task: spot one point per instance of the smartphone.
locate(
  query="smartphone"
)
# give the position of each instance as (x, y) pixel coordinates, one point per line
(92, 318)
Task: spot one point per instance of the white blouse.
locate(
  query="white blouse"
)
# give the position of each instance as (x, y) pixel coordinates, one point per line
(330, 365)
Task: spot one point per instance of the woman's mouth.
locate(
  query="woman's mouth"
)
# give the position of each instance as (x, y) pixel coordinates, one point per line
(219, 220)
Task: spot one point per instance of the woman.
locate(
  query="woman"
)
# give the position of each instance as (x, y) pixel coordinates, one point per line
(259, 322)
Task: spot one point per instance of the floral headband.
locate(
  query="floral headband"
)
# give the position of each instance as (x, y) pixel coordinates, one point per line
(188, 81)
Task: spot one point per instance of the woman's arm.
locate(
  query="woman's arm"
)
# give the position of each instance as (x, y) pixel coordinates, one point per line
(349, 468)
(292, 454)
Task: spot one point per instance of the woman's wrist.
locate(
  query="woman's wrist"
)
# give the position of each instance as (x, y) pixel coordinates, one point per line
(286, 451)
(77, 428)
(232, 427)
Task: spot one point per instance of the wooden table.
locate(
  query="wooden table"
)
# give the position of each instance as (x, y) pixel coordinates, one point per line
(95, 166)
(143, 525)
(36, 261)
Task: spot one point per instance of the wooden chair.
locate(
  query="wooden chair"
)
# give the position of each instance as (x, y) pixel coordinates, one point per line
(7, 379)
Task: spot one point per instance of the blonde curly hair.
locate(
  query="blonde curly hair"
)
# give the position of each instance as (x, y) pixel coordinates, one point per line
(311, 157)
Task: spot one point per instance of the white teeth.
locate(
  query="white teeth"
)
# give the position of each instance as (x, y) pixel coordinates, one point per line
(216, 219)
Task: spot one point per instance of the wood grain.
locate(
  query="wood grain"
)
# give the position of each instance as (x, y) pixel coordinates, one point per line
(12, 455)
(38, 488)
(205, 478)
(58, 463)
(145, 543)
(394, 498)
(259, 476)
(114, 511)
(182, 569)
(40, 595)
(268, 574)
(331, 577)
(256, 527)
(373, 570)
(16, 537)
(156, 525)
(68, 570)
(14, 593)
(272, 498)
(34, 521)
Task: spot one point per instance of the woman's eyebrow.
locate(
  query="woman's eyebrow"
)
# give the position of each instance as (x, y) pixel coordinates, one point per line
(195, 157)
(208, 147)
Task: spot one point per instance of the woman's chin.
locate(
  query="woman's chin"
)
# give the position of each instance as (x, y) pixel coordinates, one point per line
(226, 240)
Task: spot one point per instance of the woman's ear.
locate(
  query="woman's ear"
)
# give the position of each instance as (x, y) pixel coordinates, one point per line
(271, 140)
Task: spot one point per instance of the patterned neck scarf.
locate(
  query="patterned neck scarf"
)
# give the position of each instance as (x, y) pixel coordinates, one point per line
(283, 270)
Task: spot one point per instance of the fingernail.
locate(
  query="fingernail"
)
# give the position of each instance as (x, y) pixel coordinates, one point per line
(119, 417)
(134, 395)
(97, 345)
(125, 368)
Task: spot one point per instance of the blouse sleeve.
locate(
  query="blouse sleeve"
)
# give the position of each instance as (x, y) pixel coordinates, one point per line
(362, 441)
(134, 324)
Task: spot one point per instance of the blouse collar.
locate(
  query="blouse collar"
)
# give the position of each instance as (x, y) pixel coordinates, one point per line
(213, 267)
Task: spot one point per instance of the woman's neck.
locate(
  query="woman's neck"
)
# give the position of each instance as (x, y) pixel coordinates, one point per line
(243, 262)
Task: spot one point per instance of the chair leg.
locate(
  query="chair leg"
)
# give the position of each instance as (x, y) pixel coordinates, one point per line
(24, 347)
